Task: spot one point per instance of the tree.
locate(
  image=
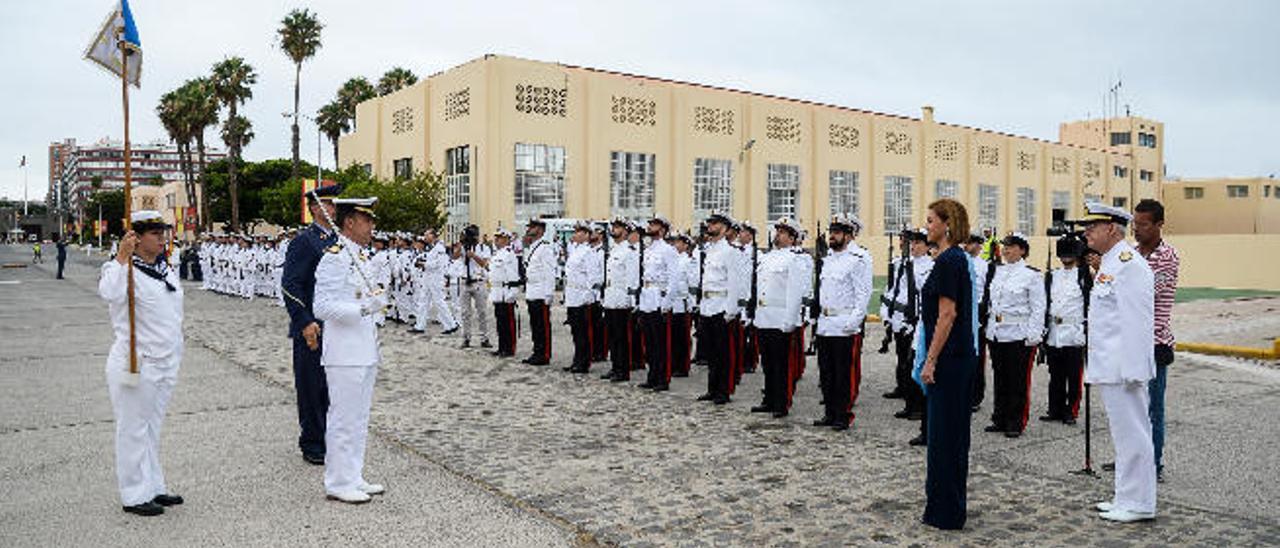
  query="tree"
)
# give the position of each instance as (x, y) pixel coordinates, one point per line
(231, 80)
(412, 204)
(112, 203)
(203, 108)
(333, 123)
(353, 92)
(300, 39)
(396, 79)
(185, 113)
(266, 191)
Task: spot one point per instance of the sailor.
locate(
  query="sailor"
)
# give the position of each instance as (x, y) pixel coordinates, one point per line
(622, 274)
(635, 237)
(380, 266)
(719, 304)
(580, 291)
(782, 281)
(298, 285)
(846, 292)
(654, 308)
(750, 349)
(983, 273)
(504, 287)
(682, 279)
(430, 291)
(599, 334)
(473, 287)
(1015, 327)
(347, 300)
(541, 262)
(138, 400)
(915, 270)
(1121, 359)
(1068, 291)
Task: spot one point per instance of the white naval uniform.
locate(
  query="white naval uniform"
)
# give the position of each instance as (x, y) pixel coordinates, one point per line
(1121, 361)
(782, 284)
(658, 259)
(504, 271)
(541, 264)
(1066, 309)
(622, 276)
(349, 354)
(846, 292)
(580, 276)
(139, 409)
(1017, 305)
(719, 291)
(429, 293)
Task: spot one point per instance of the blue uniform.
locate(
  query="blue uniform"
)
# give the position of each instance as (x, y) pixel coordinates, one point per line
(299, 284)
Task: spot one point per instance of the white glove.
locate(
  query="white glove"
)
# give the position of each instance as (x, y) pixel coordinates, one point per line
(375, 304)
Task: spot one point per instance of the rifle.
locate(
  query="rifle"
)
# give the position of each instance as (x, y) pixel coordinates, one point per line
(888, 330)
(815, 304)
(702, 266)
(605, 281)
(752, 302)
(640, 275)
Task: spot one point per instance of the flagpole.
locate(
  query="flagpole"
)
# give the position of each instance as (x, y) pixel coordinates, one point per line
(128, 198)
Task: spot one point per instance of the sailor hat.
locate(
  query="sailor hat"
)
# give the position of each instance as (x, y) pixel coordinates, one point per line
(362, 205)
(1100, 212)
(147, 219)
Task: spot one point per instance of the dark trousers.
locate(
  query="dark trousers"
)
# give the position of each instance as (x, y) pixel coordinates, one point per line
(680, 344)
(777, 354)
(950, 406)
(618, 322)
(581, 329)
(700, 351)
(1011, 383)
(62, 263)
(599, 335)
(504, 320)
(1066, 366)
(637, 348)
(657, 345)
(979, 374)
(840, 359)
(750, 349)
(540, 329)
(716, 338)
(904, 347)
(737, 346)
(313, 396)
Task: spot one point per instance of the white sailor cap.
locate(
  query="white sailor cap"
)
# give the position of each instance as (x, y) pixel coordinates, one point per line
(502, 233)
(583, 225)
(720, 217)
(661, 220)
(1100, 212)
(848, 223)
(363, 205)
(147, 219)
(790, 225)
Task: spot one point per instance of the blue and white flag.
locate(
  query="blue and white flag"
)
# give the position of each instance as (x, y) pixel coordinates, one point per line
(117, 38)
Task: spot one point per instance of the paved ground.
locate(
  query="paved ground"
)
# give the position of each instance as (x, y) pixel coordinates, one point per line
(625, 466)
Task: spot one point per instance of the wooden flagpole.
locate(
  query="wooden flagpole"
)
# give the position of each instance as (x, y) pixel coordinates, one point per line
(128, 196)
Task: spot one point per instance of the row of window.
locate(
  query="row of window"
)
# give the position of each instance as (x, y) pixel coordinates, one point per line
(1233, 191)
(1124, 138)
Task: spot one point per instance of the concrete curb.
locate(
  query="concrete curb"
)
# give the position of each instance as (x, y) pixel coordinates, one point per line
(1272, 353)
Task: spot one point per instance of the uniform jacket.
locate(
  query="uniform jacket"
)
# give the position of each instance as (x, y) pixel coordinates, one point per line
(659, 257)
(342, 299)
(580, 276)
(782, 284)
(1121, 319)
(1066, 309)
(846, 292)
(1017, 305)
(504, 276)
(541, 262)
(623, 276)
(157, 317)
(719, 290)
(299, 281)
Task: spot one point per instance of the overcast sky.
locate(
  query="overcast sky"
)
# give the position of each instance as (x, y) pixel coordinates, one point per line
(1209, 70)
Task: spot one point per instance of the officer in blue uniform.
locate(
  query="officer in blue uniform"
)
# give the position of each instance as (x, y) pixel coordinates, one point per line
(298, 285)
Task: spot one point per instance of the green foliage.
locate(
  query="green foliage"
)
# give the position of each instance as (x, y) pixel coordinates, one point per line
(299, 35)
(412, 204)
(231, 79)
(396, 79)
(266, 193)
(112, 202)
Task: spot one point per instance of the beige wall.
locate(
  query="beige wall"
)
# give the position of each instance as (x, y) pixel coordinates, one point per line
(1216, 213)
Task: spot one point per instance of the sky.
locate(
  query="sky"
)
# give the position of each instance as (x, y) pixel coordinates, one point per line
(1209, 70)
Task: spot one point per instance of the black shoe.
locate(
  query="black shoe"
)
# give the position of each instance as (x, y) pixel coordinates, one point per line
(1159, 476)
(496, 353)
(528, 360)
(824, 421)
(840, 426)
(892, 395)
(451, 331)
(779, 414)
(645, 385)
(661, 388)
(606, 376)
(706, 397)
(1069, 421)
(416, 330)
(1111, 467)
(466, 344)
(1050, 418)
(167, 500)
(485, 344)
(538, 363)
(1013, 434)
(680, 374)
(918, 441)
(762, 408)
(915, 416)
(721, 400)
(567, 368)
(145, 509)
(313, 458)
(993, 428)
(902, 414)
(619, 379)
(579, 370)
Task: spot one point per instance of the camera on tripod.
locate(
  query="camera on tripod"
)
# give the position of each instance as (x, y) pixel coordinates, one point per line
(1063, 227)
(470, 237)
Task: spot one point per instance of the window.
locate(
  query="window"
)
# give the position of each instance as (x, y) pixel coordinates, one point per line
(631, 184)
(1120, 171)
(539, 185)
(1147, 140)
(712, 187)
(1061, 199)
(784, 190)
(402, 168)
(1237, 191)
(897, 203)
(988, 207)
(368, 169)
(1277, 192)
(1146, 175)
(943, 188)
(1026, 210)
(1121, 138)
(844, 192)
(1092, 198)
(1266, 191)
(1119, 201)
(457, 180)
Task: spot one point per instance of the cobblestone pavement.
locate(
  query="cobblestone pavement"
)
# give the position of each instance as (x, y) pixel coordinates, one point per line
(632, 467)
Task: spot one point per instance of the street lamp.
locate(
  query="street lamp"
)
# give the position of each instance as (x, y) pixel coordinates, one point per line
(318, 140)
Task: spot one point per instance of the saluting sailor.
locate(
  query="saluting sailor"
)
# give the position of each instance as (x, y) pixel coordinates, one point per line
(1121, 359)
(348, 300)
(783, 281)
(846, 292)
(138, 401)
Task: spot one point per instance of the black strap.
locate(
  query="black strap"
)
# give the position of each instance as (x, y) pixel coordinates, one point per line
(158, 273)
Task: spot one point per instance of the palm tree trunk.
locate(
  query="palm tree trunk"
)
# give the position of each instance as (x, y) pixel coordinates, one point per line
(201, 213)
(232, 185)
(297, 76)
(336, 167)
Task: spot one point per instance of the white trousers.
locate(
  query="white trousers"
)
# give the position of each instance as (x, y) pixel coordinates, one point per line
(347, 426)
(139, 414)
(1130, 427)
(431, 304)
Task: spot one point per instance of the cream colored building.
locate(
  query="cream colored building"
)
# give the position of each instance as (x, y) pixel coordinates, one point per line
(171, 200)
(518, 138)
(1222, 206)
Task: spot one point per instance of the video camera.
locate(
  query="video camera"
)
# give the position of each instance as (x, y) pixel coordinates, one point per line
(1070, 234)
(470, 236)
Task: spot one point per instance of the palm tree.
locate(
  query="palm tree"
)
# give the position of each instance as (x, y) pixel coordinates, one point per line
(173, 111)
(396, 79)
(230, 82)
(201, 112)
(333, 123)
(237, 131)
(355, 91)
(299, 38)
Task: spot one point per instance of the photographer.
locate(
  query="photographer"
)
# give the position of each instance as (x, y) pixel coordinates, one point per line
(472, 290)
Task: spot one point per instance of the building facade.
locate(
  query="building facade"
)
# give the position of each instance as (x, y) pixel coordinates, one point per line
(516, 139)
(1222, 206)
(153, 164)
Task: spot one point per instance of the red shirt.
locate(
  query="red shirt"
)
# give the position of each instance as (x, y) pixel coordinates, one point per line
(1164, 265)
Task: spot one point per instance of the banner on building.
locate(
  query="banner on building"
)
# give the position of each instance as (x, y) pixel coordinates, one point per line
(307, 186)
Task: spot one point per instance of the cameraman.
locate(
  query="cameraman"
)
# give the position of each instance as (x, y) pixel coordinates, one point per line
(473, 287)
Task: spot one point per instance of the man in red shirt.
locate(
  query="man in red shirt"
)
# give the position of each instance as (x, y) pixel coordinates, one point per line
(1148, 220)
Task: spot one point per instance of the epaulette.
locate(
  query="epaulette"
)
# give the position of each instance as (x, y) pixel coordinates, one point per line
(1125, 256)
(333, 248)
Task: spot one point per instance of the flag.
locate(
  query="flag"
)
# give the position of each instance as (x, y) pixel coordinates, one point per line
(23, 163)
(118, 35)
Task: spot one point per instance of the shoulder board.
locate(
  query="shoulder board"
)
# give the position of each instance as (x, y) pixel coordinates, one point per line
(1126, 256)
(333, 248)
(1033, 268)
